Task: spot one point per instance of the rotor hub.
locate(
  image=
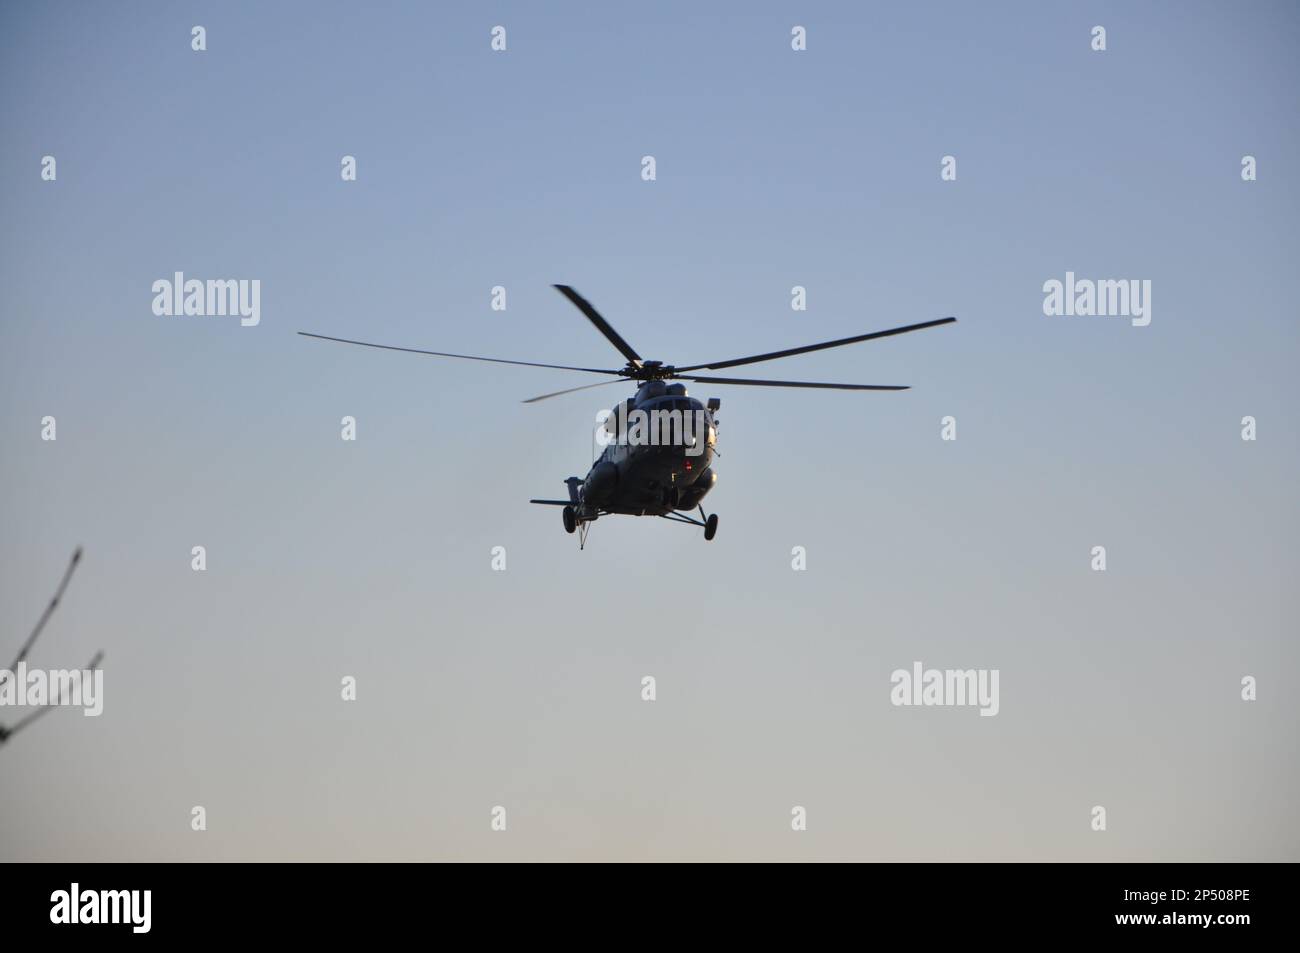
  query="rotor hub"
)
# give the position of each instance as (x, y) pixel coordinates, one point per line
(650, 371)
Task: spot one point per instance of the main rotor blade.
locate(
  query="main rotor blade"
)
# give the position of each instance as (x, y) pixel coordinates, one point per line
(762, 383)
(464, 357)
(773, 355)
(533, 400)
(583, 305)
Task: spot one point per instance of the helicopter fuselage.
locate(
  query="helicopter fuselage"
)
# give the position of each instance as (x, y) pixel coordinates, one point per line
(636, 476)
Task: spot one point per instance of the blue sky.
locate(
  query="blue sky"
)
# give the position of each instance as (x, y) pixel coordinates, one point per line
(775, 169)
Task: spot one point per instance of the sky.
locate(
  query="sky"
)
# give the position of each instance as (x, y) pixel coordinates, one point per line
(372, 559)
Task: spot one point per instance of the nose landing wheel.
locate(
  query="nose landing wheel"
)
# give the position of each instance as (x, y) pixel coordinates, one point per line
(709, 523)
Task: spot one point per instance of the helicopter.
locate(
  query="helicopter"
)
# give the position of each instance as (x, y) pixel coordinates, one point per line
(636, 476)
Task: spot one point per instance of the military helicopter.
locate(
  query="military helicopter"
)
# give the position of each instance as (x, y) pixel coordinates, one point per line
(649, 477)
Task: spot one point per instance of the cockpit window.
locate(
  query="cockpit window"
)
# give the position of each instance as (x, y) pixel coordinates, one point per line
(684, 404)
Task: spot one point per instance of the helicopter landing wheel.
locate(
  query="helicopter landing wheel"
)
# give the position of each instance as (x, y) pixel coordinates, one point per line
(711, 527)
(570, 519)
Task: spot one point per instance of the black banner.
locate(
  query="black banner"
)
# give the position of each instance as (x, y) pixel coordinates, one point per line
(143, 902)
